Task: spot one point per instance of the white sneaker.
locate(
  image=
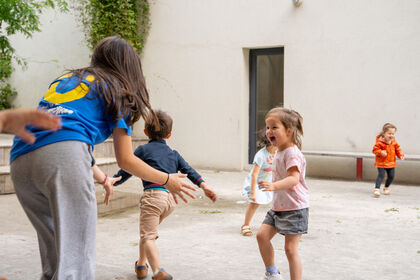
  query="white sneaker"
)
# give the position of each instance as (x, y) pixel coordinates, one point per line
(268, 276)
(376, 193)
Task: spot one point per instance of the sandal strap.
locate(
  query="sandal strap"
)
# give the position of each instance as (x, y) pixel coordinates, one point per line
(245, 230)
(142, 267)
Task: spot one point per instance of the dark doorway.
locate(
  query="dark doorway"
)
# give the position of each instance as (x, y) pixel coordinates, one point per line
(266, 68)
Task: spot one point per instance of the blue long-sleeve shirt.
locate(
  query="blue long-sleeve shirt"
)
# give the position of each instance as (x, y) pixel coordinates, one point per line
(160, 156)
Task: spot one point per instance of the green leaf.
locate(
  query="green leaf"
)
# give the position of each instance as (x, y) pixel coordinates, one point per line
(18, 17)
(392, 210)
(210, 212)
(129, 19)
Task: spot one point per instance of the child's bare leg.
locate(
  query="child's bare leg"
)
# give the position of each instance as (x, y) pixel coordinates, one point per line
(292, 253)
(264, 236)
(142, 254)
(152, 253)
(250, 211)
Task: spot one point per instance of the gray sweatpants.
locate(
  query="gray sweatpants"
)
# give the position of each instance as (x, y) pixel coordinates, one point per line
(55, 187)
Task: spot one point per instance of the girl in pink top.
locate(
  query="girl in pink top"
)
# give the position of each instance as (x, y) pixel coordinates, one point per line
(289, 214)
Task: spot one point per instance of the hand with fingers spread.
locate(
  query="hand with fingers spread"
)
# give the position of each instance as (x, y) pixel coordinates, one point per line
(14, 121)
(178, 187)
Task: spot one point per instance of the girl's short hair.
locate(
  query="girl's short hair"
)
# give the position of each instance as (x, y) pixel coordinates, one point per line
(262, 140)
(162, 129)
(119, 80)
(290, 120)
(386, 127)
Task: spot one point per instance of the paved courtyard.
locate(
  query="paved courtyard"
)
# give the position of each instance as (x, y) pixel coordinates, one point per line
(352, 235)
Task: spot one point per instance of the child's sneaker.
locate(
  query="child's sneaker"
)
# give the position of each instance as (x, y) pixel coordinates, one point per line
(376, 193)
(269, 276)
(141, 270)
(386, 191)
(162, 275)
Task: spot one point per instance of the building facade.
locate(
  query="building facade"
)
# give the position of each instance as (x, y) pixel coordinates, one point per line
(216, 66)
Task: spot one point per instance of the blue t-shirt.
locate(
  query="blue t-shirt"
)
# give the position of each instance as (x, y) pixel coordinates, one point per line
(82, 116)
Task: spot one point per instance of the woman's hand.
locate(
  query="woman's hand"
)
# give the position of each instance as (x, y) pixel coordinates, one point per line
(178, 187)
(14, 121)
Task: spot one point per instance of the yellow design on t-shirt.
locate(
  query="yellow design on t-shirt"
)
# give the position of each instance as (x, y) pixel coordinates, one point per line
(78, 92)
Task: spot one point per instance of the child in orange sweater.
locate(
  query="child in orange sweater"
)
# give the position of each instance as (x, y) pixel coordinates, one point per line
(385, 149)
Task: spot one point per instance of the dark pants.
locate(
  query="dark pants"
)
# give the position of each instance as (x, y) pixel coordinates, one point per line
(381, 174)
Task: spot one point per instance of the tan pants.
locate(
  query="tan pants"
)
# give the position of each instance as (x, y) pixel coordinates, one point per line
(156, 205)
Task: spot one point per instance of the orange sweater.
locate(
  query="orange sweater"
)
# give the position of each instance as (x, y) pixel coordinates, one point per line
(392, 149)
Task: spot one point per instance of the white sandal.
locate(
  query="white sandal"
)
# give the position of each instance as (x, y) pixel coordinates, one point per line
(246, 231)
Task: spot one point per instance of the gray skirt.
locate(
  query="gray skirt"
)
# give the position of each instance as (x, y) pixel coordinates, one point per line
(288, 222)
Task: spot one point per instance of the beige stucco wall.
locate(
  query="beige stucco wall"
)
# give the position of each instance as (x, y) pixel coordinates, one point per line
(58, 47)
(350, 66)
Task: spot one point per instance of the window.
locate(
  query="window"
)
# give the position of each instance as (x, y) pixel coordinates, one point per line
(266, 75)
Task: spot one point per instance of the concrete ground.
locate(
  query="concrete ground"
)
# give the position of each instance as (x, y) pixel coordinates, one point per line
(352, 235)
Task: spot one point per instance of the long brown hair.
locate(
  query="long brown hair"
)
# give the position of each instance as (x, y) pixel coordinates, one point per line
(291, 120)
(119, 78)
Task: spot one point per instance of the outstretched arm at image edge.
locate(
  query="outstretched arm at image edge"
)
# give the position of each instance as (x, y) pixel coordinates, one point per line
(14, 121)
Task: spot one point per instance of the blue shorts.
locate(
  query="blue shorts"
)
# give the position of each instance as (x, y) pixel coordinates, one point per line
(288, 222)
